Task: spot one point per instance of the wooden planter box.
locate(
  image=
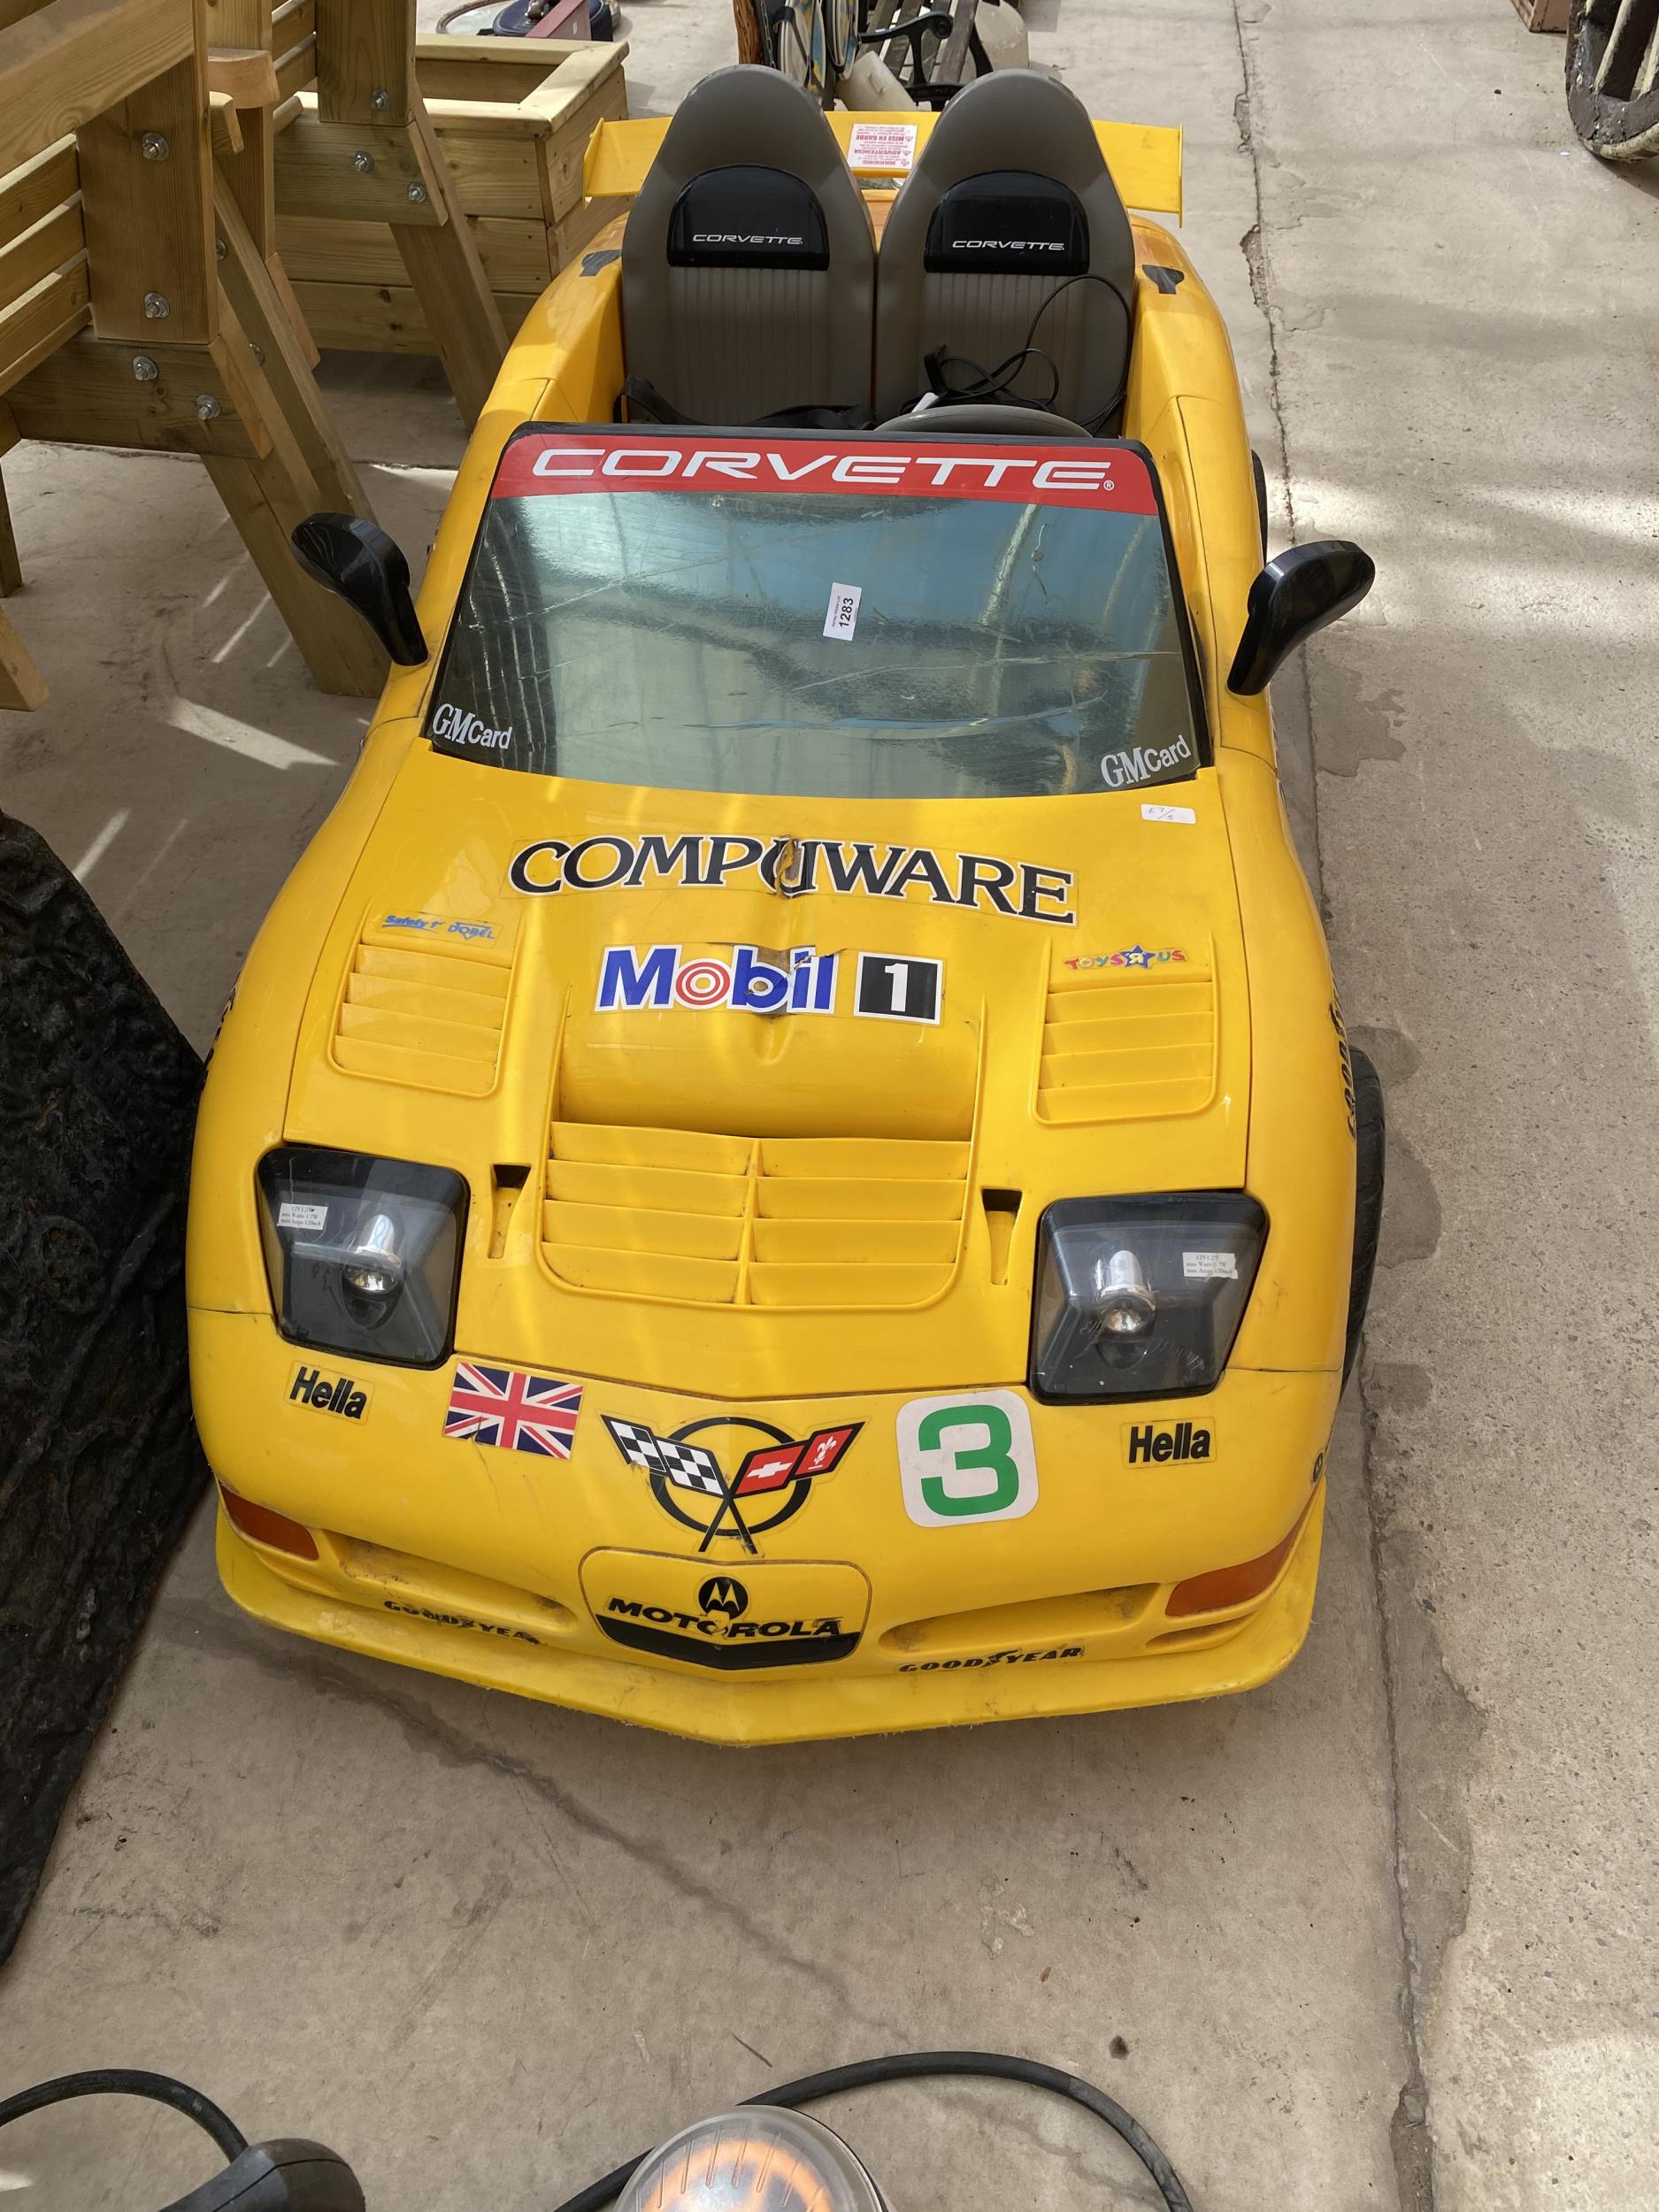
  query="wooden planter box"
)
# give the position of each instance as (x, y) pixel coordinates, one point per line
(513, 117)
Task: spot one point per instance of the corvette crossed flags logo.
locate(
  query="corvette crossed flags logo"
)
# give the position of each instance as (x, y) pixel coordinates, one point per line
(778, 1470)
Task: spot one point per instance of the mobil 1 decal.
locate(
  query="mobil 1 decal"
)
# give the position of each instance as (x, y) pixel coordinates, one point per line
(753, 979)
(896, 989)
(793, 866)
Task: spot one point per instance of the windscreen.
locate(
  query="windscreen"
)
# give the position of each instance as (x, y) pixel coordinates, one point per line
(856, 619)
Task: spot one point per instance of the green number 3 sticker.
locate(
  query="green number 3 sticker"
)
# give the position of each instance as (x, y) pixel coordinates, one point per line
(967, 1459)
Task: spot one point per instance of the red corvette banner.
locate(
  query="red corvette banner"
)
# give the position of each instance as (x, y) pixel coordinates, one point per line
(1028, 472)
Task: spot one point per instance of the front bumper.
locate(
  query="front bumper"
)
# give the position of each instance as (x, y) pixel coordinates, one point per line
(585, 1583)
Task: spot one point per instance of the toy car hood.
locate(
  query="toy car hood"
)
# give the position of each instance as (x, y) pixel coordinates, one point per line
(730, 1077)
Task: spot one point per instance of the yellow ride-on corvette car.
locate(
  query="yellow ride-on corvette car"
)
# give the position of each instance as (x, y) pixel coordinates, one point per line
(785, 1163)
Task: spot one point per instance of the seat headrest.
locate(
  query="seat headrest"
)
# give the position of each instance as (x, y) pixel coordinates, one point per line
(1008, 219)
(747, 217)
(756, 117)
(1008, 120)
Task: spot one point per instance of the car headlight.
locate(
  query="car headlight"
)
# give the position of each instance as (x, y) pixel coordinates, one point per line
(1141, 1297)
(364, 1254)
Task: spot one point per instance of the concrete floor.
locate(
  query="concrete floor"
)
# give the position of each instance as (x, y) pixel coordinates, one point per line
(1383, 1934)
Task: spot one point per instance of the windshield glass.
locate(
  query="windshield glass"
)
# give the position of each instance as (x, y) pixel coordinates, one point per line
(849, 619)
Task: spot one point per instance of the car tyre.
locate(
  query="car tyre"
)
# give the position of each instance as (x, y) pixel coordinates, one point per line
(1369, 1145)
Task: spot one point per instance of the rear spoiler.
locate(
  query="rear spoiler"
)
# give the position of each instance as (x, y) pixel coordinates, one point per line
(1145, 158)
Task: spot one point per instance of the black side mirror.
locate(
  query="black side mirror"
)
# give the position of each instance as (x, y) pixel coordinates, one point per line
(356, 559)
(1296, 594)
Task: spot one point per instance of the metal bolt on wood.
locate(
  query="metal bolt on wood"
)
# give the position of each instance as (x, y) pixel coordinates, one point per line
(379, 99)
(220, 249)
(363, 162)
(207, 407)
(417, 193)
(258, 352)
(157, 306)
(144, 369)
(154, 146)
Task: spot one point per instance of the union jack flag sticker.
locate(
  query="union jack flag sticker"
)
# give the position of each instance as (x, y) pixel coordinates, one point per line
(515, 1412)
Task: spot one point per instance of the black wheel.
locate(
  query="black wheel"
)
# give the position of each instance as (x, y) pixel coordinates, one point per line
(1260, 474)
(1370, 1145)
(1613, 76)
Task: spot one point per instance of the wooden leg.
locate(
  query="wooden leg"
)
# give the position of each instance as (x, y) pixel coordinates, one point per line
(455, 296)
(285, 291)
(11, 569)
(265, 504)
(295, 403)
(22, 687)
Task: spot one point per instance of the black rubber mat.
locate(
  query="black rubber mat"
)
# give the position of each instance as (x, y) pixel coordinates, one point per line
(99, 1463)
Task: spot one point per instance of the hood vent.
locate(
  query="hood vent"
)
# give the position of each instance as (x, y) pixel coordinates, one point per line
(788, 1222)
(424, 1014)
(1130, 1044)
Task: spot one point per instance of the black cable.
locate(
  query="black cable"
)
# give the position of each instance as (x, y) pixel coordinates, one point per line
(921, 2065)
(126, 2081)
(995, 382)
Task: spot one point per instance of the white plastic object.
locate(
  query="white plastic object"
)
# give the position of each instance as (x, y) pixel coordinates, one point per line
(871, 84)
(1002, 30)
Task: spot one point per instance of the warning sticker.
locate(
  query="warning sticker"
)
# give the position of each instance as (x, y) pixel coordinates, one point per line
(890, 146)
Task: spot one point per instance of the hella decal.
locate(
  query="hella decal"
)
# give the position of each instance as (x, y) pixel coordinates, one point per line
(328, 1394)
(977, 881)
(1144, 763)
(1161, 1441)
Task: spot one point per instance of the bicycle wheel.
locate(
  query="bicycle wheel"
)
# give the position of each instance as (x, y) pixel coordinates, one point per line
(1613, 76)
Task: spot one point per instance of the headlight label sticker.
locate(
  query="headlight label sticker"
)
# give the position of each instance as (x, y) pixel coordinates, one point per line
(515, 1412)
(1168, 814)
(1148, 1441)
(293, 1213)
(965, 1459)
(342, 1394)
(1204, 1266)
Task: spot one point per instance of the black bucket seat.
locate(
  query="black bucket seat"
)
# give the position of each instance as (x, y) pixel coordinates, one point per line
(1009, 219)
(748, 259)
